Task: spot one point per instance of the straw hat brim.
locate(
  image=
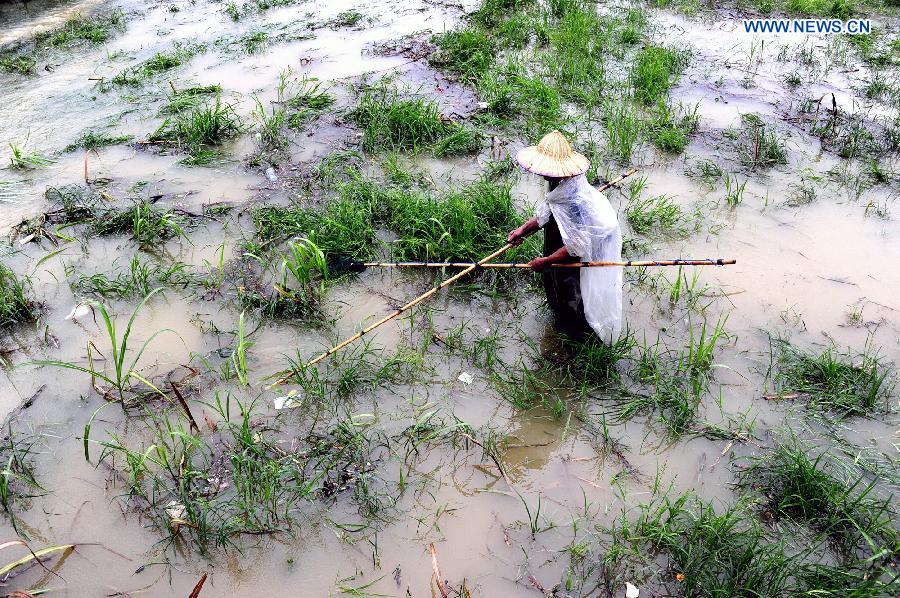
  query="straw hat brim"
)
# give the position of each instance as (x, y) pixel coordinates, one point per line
(533, 160)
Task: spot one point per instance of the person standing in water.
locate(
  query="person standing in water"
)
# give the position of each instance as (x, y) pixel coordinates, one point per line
(579, 225)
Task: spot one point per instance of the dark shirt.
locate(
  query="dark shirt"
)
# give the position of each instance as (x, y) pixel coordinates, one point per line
(563, 287)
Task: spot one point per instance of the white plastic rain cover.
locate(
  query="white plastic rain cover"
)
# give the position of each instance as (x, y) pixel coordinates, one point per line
(590, 230)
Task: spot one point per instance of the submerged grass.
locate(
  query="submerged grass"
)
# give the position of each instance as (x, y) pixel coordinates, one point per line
(17, 477)
(97, 29)
(15, 302)
(147, 225)
(816, 490)
(460, 224)
(695, 548)
(757, 143)
(844, 383)
(158, 63)
(241, 480)
(468, 52)
(463, 224)
(137, 280)
(91, 140)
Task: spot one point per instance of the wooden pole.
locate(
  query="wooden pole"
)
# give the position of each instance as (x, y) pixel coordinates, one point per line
(466, 270)
(625, 264)
(396, 312)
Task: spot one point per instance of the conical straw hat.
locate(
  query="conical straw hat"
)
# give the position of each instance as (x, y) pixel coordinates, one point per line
(553, 156)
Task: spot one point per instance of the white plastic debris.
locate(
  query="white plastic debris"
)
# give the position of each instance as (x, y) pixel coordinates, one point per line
(175, 510)
(466, 378)
(80, 310)
(270, 174)
(483, 105)
(631, 590)
(287, 401)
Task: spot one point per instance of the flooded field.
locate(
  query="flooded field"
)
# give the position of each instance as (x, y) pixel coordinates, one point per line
(183, 183)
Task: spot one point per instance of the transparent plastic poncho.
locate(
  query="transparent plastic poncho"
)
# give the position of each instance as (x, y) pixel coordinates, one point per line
(590, 230)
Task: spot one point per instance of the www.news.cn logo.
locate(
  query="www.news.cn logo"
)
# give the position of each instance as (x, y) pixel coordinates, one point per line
(827, 26)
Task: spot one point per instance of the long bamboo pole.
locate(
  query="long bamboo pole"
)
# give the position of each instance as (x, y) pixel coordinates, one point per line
(467, 269)
(396, 312)
(624, 264)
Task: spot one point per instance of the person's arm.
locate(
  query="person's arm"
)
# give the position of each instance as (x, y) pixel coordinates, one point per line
(518, 235)
(542, 264)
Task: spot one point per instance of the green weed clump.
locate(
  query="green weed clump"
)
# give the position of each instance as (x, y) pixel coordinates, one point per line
(241, 480)
(595, 362)
(843, 383)
(651, 214)
(200, 128)
(820, 492)
(695, 548)
(462, 225)
(579, 47)
(91, 140)
(15, 303)
(21, 158)
(675, 382)
(390, 121)
(308, 100)
(20, 64)
(148, 225)
(758, 144)
(671, 128)
(510, 94)
(97, 29)
(704, 551)
(468, 52)
(138, 280)
(17, 478)
(492, 13)
(358, 368)
(342, 225)
(298, 284)
(158, 63)
(22, 58)
(184, 100)
(656, 70)
(837, 9)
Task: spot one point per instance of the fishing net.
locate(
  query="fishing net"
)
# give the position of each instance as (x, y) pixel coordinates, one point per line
(590, 230)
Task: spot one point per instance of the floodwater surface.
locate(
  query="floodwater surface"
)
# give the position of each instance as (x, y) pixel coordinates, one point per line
(818, 272)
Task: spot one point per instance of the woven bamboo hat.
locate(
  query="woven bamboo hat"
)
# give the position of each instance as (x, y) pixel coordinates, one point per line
(553, 156)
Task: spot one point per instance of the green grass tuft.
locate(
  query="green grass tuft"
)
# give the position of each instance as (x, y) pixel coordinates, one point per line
(390, 121)
(146, 224)
(15, 304)
(208, 124)
(656, 70)
(843, 383)
(468, 52)
(819, 491)
(96, 29)
(91, 140)
(138, 280)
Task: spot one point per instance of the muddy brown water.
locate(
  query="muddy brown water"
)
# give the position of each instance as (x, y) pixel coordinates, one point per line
(800, 272)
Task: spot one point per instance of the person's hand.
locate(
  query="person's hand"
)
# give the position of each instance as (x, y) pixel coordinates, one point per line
(539, 264)
(515, 237)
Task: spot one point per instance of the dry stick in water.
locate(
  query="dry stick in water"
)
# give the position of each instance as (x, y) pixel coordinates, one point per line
(423, 296)
(437, 571)
(196, 591)
(187, 409)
